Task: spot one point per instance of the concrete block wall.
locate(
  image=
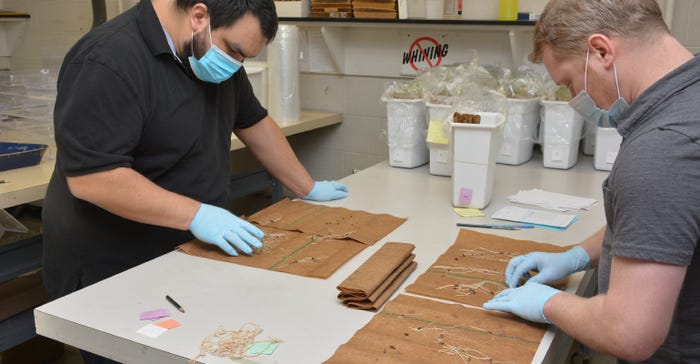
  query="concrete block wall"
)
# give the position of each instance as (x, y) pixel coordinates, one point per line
(54, 26)
(328, 153)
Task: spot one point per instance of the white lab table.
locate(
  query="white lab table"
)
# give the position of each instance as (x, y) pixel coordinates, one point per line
(303, 312)
(29, 184)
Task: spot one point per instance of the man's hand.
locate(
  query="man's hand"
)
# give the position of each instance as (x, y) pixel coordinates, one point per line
(218, 226)
(326, 191)
(526, 301)
(551, 266)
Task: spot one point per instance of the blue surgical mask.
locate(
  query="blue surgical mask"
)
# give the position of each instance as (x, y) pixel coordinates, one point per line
(584, 104)
(215, 66)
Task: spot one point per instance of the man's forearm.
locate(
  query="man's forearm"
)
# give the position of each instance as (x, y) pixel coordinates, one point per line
(269, 145)
(127, 193)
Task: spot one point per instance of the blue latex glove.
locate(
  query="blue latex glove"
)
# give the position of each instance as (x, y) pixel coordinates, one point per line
(551, 266)
(526, 301)
(326, 191)
(217, 226)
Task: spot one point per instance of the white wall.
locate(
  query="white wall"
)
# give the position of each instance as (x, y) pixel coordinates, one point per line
(335, 151)
(54, 26)
(359, 141)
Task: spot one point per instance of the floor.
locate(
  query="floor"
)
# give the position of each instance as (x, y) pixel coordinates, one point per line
(71, 355)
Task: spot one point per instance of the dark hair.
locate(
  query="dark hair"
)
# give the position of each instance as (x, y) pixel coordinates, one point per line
(226, 12)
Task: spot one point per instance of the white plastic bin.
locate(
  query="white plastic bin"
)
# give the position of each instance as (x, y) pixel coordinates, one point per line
(257, 75)
(406, 132)
(438, 141)
(519, 131)
(474, 151)
(607, 146)
(562, 127)
(589, 132)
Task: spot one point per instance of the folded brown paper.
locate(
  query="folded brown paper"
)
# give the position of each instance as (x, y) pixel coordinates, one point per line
(331, 222)
(379, 277)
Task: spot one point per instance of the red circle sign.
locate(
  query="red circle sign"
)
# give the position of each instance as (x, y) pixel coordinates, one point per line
(417, 44)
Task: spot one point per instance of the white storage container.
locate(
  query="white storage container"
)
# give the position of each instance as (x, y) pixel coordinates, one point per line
(607, 146)
(589, 132)
(257, 75)
(406, 132)
(561, 135)
(519, 131)
(474, 151)
(438, 142)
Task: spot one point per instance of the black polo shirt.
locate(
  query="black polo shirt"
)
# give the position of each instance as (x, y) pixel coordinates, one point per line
(124, 100)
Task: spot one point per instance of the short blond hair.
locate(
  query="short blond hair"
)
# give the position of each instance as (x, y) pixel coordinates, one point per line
(565, 25)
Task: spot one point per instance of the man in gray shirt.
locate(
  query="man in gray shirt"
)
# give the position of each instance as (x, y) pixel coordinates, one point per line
(626, 70)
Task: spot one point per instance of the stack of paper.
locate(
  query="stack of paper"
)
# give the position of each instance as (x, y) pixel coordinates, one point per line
(371, 285)
(552, 200)
(547, 219)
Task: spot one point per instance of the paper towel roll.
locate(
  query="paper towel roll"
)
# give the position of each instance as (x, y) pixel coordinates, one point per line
(283, 75)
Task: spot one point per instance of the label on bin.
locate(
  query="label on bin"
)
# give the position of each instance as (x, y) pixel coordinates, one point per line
(465, 195)
(435, 133)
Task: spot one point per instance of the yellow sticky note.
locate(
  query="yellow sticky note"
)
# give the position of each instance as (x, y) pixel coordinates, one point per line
(468, 212)
(435, 133)
(168, 324)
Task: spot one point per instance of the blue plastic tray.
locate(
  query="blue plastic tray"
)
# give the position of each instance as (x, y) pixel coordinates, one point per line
(18, 155)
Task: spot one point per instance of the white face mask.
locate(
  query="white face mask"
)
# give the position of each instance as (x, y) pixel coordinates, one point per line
(584, 104)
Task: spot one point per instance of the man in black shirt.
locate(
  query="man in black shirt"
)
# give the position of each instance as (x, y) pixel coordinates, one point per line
(145, 109)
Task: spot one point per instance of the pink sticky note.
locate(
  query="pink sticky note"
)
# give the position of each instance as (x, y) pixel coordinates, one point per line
(465, 195)
(155, 314)
(169, 324)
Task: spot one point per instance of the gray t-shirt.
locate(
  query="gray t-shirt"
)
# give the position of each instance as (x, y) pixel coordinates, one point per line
(652, 198)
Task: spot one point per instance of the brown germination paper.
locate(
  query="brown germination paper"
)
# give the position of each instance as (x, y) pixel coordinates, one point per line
(320, 220)
(418, 330)
(305, 239)
(473, 269)
(371, 285)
